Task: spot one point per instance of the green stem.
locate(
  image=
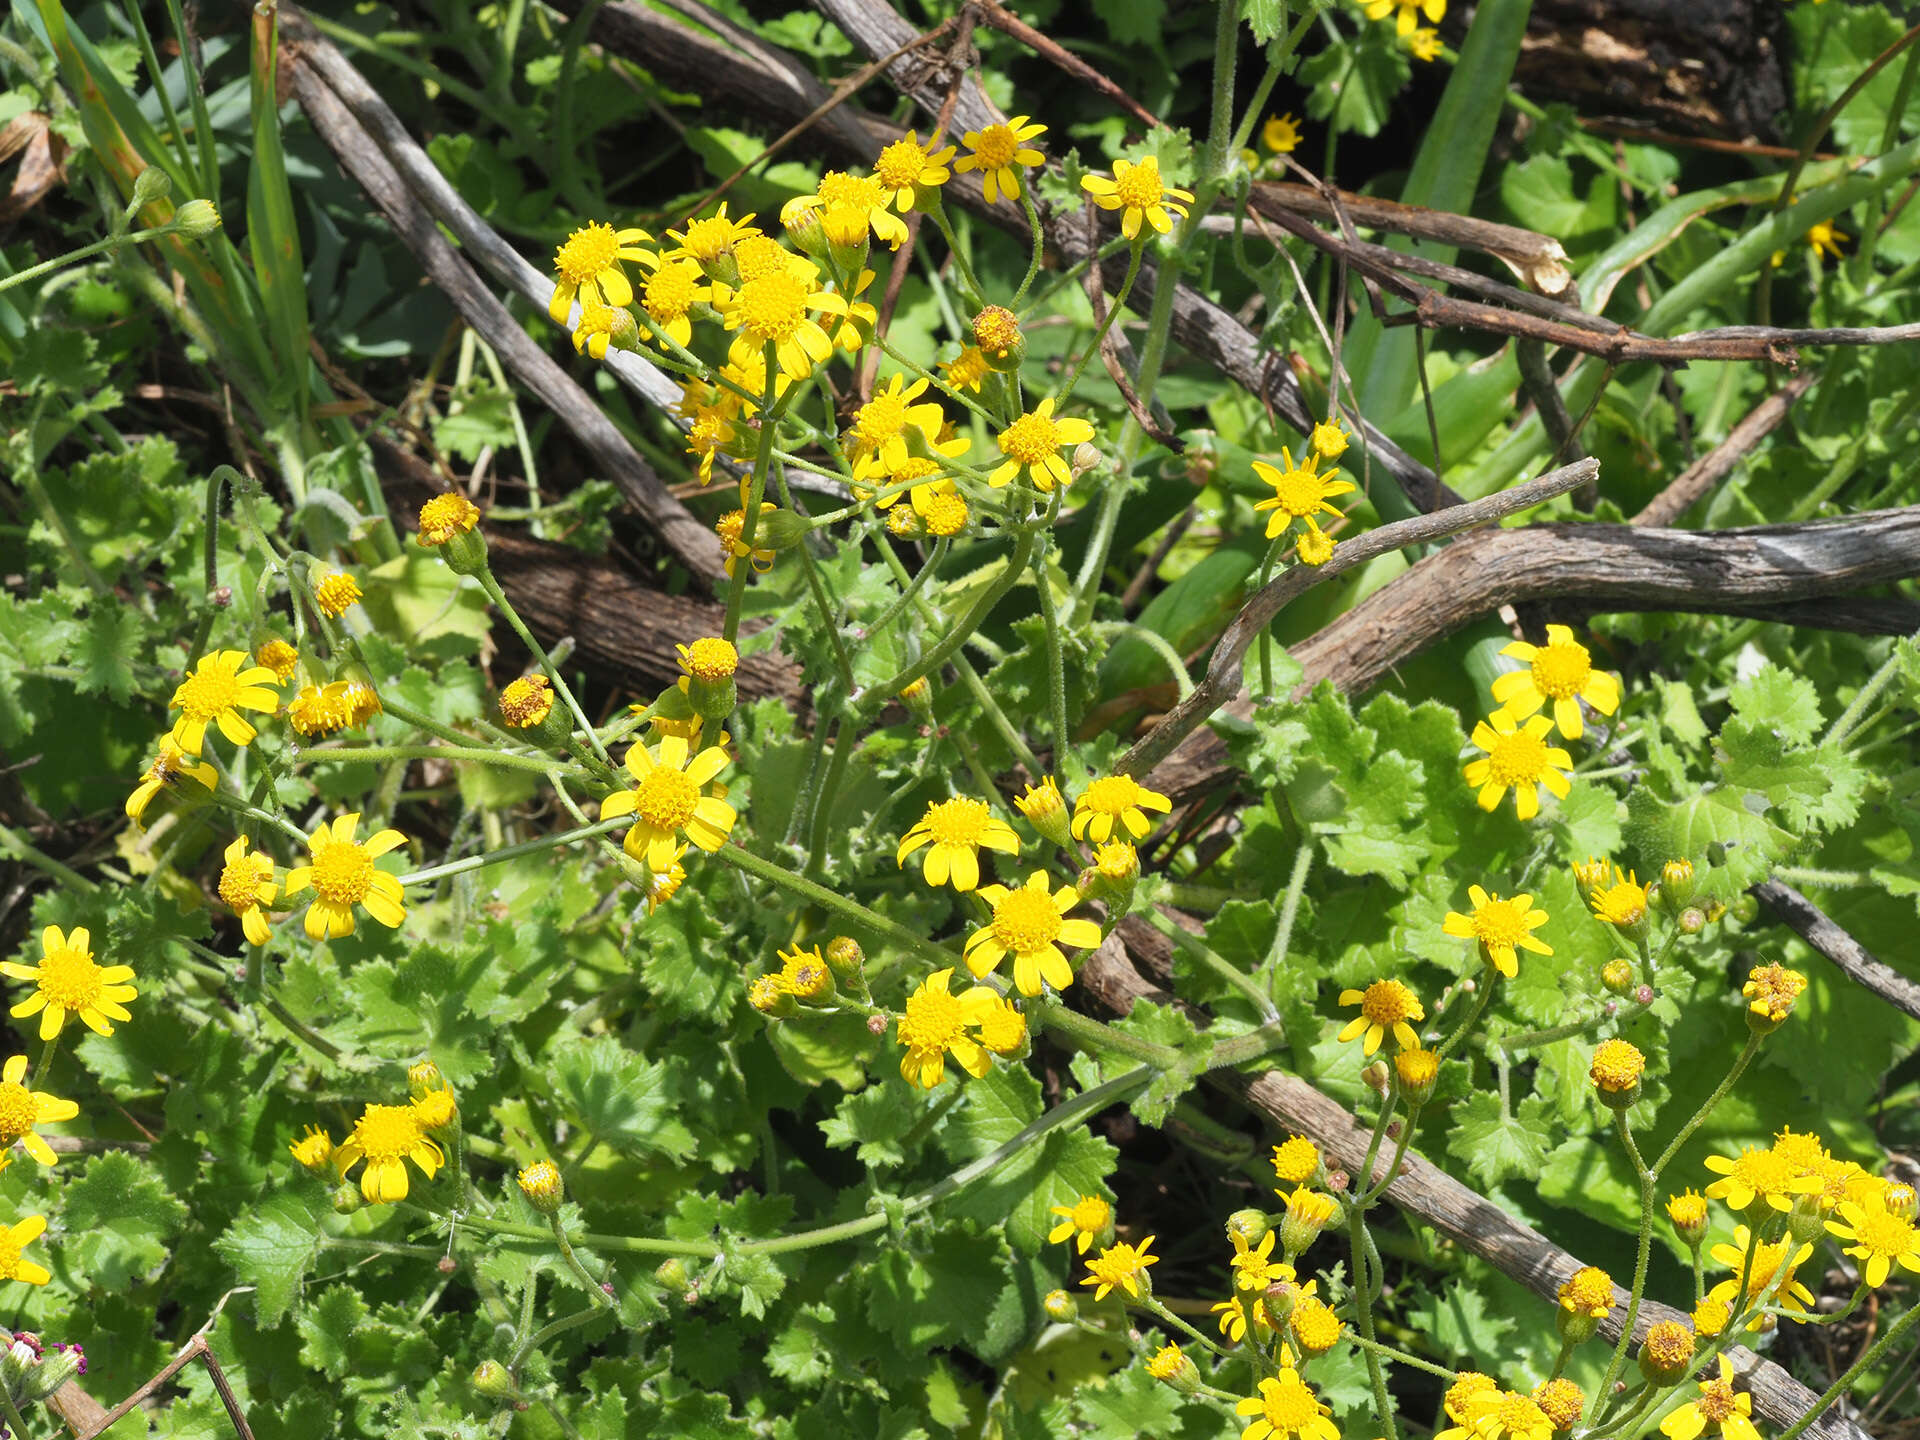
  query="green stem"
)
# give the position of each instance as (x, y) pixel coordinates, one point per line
(1114, 307)
(850, 910)
(823, 796)
(1850, 717)
(1056, 661)
(514, 852)
(1751, 1049)
(1482, 997)
(601, 1300)
(18, 1425)
(559, 1327)
(1407, 1124)
(1039, 247)
(1530, 1039)
(1214, 961)
(1401, 1357)
(1642, 1255)
(368, 754)
(45, 1063)
(14, 845)
(1289, 912)
(85, 252)
(951, 642)
(499, 598)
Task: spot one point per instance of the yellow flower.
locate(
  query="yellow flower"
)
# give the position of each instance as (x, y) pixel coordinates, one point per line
(320, 709)
(1308, 1213)
(1084, 1220)
(1285, 1409)
(666, 883)
(1588, 1291)
(776, 310)
(857, 328)
(1281, 134)
(967, 369)
(936, 1024)
(215, 693)
(1300, 492)
(907, 166)
(1499, 925)
(1561, 1401)
(1771, 991)
(1758, 1172)
(386, 1137)
(1417, 1069)
(540, 1182)
(1315, 546)
(804, 974)
(863, 196)
(1506, 1415)
(1881, 1238)
(280, 657)
(669, 295)
(341, 873)
(526, 702)
(21, 1109)
(1716, 1408)
(313, 1151)
(1253, 1266)
(1467, 1384)
(1424, 43)
(168, 766)
(1045, 809)
(1034, 441)
(707, 240)
(1139, 194)
(1029, 925)
(996, 152)
(710, 659)
(246, 888)
(1314, 1327)
(594, 333)
(1518, 758)
(441, 518)
(883, 427)
(588, 262)
(1120, 1267)
(1561, 671)
(1622, 903)
(1773, 1259)
(1409, 12)
(1113, 802)
(336, 593)
(732, 528)
(1617, 1067)
(954, 830)
(1687, 1210)
(1824, 239)
(15, 1238)
(669, 801)
(1296, 1160)
(996, 330)
(1234, 1317)
(1667, 1351)
(1384, 1005)
(1710, 1316)
(437, 1109)
(69, 981)
(1329, 438)
(941, 508)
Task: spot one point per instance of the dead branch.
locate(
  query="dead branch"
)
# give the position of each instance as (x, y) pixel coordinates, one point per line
(195, 1349)
(1706, 472)
(1858, 963)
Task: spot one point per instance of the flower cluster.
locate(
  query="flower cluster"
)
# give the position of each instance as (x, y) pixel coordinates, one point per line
(1517, 755)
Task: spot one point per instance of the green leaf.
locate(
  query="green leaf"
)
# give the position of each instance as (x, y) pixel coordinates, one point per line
(802, 1353)
(620, 1097)
(1456, 1321)
(1778, 700)
(1131, 22)
(1588, 821)
(272, 1247)
(480, 415)
(1131, 1403)
(875, 1120)
(1068, 1163)
(1353, 83)
(947, 1293)
(685, 959)
(327, 1327)
(119, 1217)
(1816, 788)
(1656, 831)
(113, 640)
(1499, 1147)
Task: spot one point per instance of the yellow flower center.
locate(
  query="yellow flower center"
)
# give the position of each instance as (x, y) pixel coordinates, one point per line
(1560, 670)
(858, 192)
(588, 253)
(1295, 1159)
(666, 798)
(69, 979)
(1517, 1415)
(711, 431)
(670, 290)
(527, 701)
(1617, 1065)
(759, 255)
(238, 882)
(1767, 1260)
(1111, 795)
(1030, 439)
(1716, 1401)
(712, 658)
(1388, 1002)
(900, 164)
(1466, 1385)
(1688, 1210)
(1500, 922)
(441, 518)
(1288, 1405)
(1517, 759)
(1025, 921)
(967, 369)
(17, 1112)
(9, 1255)
(881, 419)
(1802, 1150)
(1588, 1289)
(1562, 1402)
(1315, 1326)
(1117, 860)
(1764, 1171)
(1090, 1213)
(1139, 188)
(1670, 1344)
(945, 514)
(933, 1020)
(1417, 1068)
(280, 657)
(1622, 903)
(387, 1132)
(709, 239)
(207, 692)
(1299, 492)
(1117, 1262)
(342, 871)
(996, 146)
(1885, 1234)
(1165, 1362)
(960, 821)
(997, 329)
(772, 307)
(730, 526)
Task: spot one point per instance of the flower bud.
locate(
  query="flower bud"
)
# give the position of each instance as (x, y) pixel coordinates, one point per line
(1280, 1298)
(1590, 876)
(848, 962)
(1046, 810)
(1308, 1213)
(1061, 1307)
(671, 1273)
(1746, 909)
(1898, 1199)
(848, 240)
(54, 1369)
(1677, 885)
(490, 1378)
(1377, 1077)
(1416, 1071)
(197, 219)
(1692, 920)
(1807, 1221)
(1666, 1353)
(424, 1076)
(149, 185)
(1617, 976)
(313, 1151)
(1585, 1298)
(996, 331)
(1248, 1226)
(1086, 456)
(446, 1264)
(623, 331)
(708, 667)
(16, 1361)
(1170, 1366)
(780, 529)
(772, 999)
(1716, 912)
(804, 230)
(347, 1199)
(1688, 1212)
(1616, 1070)
(540, 1182)
(1112, 876)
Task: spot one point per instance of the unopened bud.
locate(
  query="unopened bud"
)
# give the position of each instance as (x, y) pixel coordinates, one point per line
(149, 185)
(446, 1264)
(1248, 1226)
(876, 1024)
(780, 530)
(347, 1199)
(1643, 995)
(1170, 1366)
(1617, 976)
(1745, 908)
(540, 1182)
(1692, 920)
(848, 962)
(1086, 456)
(1280, 1298)
(1060, 1306)
(197, 219)
(1375, 1076)
(490, 1378)
(54, 1369)
(671, 1273)
(221, 596)
(1677, 884)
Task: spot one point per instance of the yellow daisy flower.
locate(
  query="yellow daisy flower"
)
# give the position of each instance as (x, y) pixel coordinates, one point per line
(1030, 925)
(1881, 1238)
(1033, 441)
(1113, 802)
(1772, 1259)
(1139, 194)
(68, 981)
(883, 428)
(776, 310)
(341, 873)
(1120, 1267)
(1561, 1401)
(1717, 1408)
(1285, 1409)
(707, 240)
(280, 657)
(1300, 492)
(441, 518)
(967, 369)
(1561, 671)
(1253, 1266)
(1518, 758)
(863, 196)
(168, 766)
(588, 262)
(954, 830)
(1758, 1173)
(1588, 1291)
(669, 294)
(1424, 43)
(1500, 926)
(1409, 12)
(1385, 1005)
(1296, 1160)
(1621, 901)
(1328, 438)
(21, 1109)
(997, 152)
(732, 528)
(1081, 1223)
(670, 800)
(246, 888)
(14, 1239)
(1467, 1385)
(1508, 1415)
(215, 694)
(313, 1151)
(1824, 239)
(386, 1137)
(336, 593)
(1315, 546)
(906, 167)
(594, 333)
(1281, 133)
